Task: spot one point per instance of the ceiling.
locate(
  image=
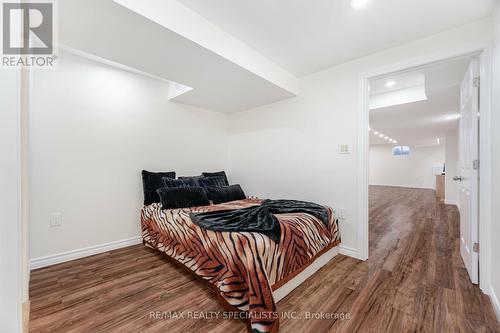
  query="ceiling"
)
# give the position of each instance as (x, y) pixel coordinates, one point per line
(143, 43)
(240, 54)
(307, 36)
(421, 123)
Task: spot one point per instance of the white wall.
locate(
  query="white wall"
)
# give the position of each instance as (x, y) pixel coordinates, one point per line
(118, 123)
(414, 170)
(451, 187)
(10, 204)
(290, 148)
(495, 146)
(93, 129)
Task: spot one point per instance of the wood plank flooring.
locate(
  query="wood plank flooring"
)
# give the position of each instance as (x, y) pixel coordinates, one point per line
(414, 281)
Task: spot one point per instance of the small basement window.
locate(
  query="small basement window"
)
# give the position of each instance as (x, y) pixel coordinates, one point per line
(401, 151)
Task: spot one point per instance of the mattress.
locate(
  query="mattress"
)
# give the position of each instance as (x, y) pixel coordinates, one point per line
(242, 267)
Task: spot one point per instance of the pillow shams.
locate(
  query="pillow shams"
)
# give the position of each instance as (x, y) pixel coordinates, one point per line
(221, 194)
(183, 197)
(212, 181)
(217, 174)
(151, 181)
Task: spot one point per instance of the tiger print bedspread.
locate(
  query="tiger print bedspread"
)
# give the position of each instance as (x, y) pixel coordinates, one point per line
(244, 267)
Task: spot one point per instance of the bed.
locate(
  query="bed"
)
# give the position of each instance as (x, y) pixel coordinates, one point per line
(247, 270)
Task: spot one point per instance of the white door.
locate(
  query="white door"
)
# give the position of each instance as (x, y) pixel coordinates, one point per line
(468, 178)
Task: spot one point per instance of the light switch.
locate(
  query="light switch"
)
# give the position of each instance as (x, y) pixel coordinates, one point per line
(55, 219)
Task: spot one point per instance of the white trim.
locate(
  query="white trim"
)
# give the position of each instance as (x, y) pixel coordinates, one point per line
(362, 169)
(403, 186)
(486, 70)
(350, 252)
(451, 202)
(321, 261)
(84, 252)
(25, 105)
(494, 301)
(363, 124)
(11, 239)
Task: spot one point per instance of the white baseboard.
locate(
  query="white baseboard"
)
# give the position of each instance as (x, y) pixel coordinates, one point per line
(288, 287)
(350, 252)
(494, 301)
(404, 186)
(80, 253)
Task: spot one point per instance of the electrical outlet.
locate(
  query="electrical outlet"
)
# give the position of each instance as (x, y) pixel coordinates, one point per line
(55, 219)
(344, 149)
(342, 213)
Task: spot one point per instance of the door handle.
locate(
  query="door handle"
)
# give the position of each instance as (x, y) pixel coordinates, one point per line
(457, 178)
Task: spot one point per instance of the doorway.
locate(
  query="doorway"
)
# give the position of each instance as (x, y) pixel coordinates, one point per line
(396, 148)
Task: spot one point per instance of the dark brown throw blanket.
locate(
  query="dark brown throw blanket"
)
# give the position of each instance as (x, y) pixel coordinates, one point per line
(259, 218)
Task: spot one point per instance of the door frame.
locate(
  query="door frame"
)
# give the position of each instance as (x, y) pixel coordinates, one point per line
(485, 56)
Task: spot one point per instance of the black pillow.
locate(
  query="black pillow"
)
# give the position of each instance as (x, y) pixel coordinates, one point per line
(220, 194)
(193, 180)
(151, 181)
(183, 197)
(212, 181)
(170, 183)
(217, 174)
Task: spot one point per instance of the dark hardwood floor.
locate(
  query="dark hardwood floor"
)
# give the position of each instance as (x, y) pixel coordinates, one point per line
(414, 281)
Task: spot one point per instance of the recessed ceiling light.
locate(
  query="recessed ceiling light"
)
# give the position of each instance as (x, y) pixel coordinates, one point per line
(358, 4)
(386, 137)
(453, 117)
(390, 83)
(381, 135)
(394, 141)
(375, 132)
(438, 141)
